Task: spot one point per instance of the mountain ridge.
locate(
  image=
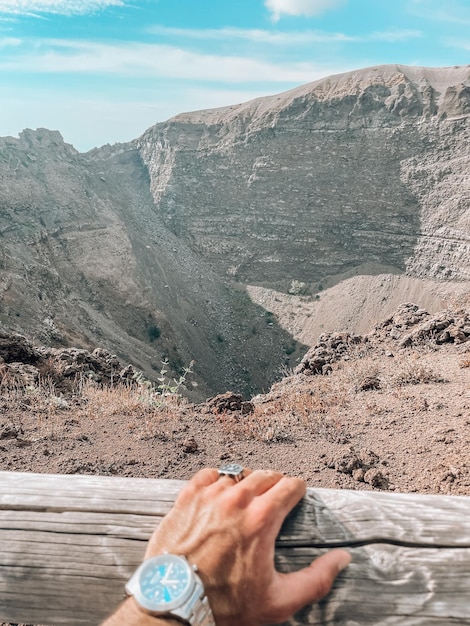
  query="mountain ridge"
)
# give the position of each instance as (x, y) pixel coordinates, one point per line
(346, 83)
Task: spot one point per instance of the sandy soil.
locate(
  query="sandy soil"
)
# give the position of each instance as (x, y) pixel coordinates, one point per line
(342, 305)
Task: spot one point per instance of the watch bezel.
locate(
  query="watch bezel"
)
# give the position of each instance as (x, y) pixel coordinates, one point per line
(134, 586)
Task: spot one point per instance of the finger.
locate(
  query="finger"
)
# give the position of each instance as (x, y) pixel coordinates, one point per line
(281, 499)
(241, 494)
(246, 472)
(200, 480)
(225, 481)
(204, 477)
(295, 590)
(259, 482)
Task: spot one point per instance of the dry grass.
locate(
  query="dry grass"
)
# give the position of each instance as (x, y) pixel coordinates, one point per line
(41, 401)
(148, 412)
(268, 427)
(314, 408)
(296, 407)
(305, 425)
(412, 371)
(322, 405)
(360, 377)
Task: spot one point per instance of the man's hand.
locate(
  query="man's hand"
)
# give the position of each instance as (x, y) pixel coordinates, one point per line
(228, 530)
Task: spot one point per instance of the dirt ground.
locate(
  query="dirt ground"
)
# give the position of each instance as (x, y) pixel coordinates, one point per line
(382, 416)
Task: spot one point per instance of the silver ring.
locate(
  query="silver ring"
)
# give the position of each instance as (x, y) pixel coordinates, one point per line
(233, 470)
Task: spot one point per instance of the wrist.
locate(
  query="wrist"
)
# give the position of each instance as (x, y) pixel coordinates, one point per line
(167, 584)
(130, 614)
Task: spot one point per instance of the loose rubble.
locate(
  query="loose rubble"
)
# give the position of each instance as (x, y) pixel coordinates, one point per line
(410, 326)
(22, 363)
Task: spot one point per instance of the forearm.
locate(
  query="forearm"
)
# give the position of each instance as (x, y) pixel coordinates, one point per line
(129, 614)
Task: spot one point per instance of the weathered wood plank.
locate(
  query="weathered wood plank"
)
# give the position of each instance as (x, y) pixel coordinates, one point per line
(68, 543)
(386, 584)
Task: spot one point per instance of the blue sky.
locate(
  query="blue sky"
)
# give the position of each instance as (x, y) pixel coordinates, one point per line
(105, 70)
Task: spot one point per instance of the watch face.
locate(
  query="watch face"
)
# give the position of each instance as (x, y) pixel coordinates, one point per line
(165, 582)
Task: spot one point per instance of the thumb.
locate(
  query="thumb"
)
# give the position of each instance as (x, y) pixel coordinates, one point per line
(311, 583)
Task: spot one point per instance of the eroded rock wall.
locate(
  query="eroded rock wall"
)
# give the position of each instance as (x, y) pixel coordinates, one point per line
(363, 168)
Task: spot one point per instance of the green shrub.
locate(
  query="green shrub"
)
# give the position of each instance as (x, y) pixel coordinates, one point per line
(153, 332)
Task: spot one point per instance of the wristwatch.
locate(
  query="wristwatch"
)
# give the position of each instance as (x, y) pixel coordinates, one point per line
(167, 585)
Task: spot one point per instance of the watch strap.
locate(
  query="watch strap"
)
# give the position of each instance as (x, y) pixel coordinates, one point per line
(196, 609)
(202, 614)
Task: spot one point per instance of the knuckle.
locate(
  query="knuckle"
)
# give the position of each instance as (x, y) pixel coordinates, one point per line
(186, 495)
(237, 497)
(296, 483)
(271, 474)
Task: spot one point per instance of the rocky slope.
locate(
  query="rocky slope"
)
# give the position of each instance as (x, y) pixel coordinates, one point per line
(185, 243)
(86, 261)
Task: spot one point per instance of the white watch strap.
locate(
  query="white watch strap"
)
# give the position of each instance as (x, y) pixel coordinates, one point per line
(202, 614)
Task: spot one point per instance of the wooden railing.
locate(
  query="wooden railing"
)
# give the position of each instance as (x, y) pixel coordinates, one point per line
(68, 544)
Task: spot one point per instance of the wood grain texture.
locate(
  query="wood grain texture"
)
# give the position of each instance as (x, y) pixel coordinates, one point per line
(68, 544)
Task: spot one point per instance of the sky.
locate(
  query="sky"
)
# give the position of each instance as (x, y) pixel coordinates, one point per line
(103, 71)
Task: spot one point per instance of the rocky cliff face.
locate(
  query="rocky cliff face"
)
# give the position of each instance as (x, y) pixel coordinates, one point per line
(147, 248)
(366, 167)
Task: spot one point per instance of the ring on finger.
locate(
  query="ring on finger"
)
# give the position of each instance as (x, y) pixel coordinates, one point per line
(232, 470)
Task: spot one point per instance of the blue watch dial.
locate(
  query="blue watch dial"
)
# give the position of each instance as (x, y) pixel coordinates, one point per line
(165, 580)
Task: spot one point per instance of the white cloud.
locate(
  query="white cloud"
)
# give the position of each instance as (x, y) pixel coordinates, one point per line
(284, 38)
(436, 10)
(306, 8)
(460, 44)
(292, 38)
(63, 7)
(154, 60)
(7, 42)
(391, 36)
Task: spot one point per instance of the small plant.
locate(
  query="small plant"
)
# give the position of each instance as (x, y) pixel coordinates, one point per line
(290, 349)
(153, 332)
(365, 375)
(413, 373)
(169, 386)
(298, 288)
(267, 427)
(152, 394)
(141, 381)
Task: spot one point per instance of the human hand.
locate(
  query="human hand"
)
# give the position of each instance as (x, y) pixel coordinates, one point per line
(228, 530)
